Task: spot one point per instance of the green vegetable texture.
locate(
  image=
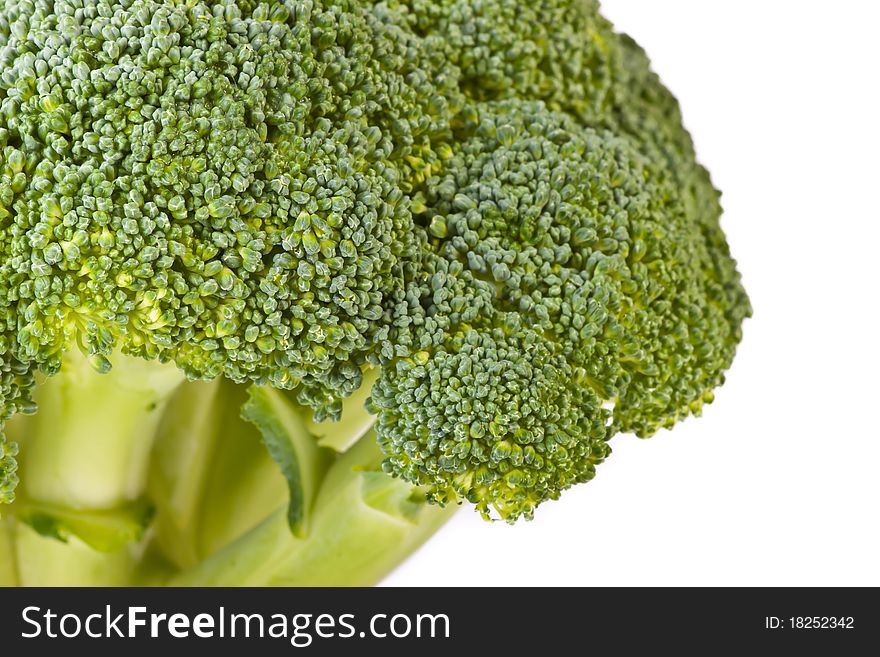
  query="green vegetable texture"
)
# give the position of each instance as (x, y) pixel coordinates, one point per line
(282, 284)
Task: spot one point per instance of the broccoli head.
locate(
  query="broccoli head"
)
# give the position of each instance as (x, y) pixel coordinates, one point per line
(562, 274)
(227, 225)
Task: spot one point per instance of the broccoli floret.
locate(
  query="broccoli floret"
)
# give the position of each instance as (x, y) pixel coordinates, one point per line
(559, 51)
(230, 228)
(564, 272)
(227, 192)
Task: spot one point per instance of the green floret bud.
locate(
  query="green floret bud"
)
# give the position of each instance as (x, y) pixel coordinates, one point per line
(16, 384)
(496, 417)
(558, 51)
(8, 468)
(588, 241)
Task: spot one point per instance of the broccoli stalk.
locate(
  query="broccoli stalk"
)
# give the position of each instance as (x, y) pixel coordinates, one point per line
(8, 572)
(364, 523)
(87, 451)
(82, 510)
(338, 519)
(178, 482)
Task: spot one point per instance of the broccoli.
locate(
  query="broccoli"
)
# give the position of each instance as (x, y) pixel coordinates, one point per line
(282, 284)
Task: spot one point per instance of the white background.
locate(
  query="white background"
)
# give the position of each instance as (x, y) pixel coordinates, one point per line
(779, 482)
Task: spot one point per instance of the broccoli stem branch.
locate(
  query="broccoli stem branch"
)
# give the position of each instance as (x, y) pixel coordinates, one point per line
(365, 523)
(88, 446)
(220, 502)
(8, 558)
(46, 561)
(211, 478)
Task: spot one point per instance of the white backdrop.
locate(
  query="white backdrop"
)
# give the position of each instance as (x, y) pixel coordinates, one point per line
(779, 482)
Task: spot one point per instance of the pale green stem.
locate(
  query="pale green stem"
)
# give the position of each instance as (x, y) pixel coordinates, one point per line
(364, 524)
(211, 478)
(88, 447)
(81, 508)
(8, 557)
(46, 561)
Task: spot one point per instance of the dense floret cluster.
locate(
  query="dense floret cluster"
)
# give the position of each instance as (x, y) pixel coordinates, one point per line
(488, 206)
(564, 274)
(218, 186)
